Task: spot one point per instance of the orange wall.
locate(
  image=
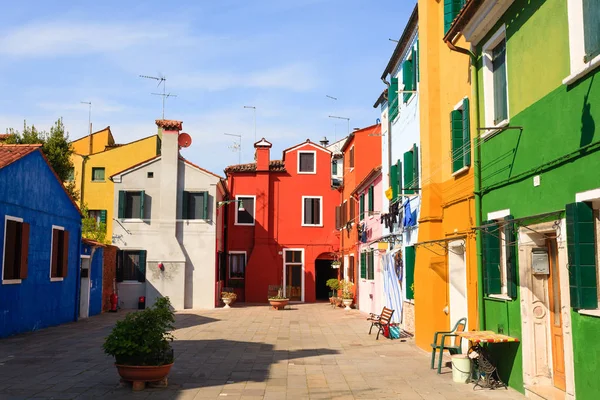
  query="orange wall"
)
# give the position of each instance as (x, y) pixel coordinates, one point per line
(448, 210)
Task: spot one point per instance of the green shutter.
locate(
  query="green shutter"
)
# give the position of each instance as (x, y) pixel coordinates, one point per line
(185, 201)
(103, 216)
(121, 213)
(410, 271)
(371, 199)
(393, 99)
(142, 195)
(334, 168)
(591, 31)
(491, 258)
(394, 181)
(456, 132)
(407, 78)
(451, 10)
(581, 248)
(371, 271)
(417, 64)
(205, 208)
(510, 241)
(408, 172)
(141, 273)
(399, 174)
(363, 265)
(415, 180)
(362, 207)
(466, 133)
(415, 67)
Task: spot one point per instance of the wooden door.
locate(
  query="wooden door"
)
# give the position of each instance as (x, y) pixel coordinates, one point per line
(556, 330)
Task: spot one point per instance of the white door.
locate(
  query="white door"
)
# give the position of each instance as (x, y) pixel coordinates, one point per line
(457, 282)
(84, 298)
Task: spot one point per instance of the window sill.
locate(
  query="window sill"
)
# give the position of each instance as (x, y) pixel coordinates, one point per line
(240, 224)
(495, 129)
(499, 297)
(57, 279)
(582, 72)
(132, 220)
(130, 283)
(461, 171)
(312, 225)
(11, 281)
(307, 173)
(591, 313)
(97, 181)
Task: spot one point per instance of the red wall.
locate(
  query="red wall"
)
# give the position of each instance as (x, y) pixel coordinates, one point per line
(278, 221)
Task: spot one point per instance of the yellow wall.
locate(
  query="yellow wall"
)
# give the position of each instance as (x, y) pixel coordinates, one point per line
(94, 143)
(448, 209)
(100, 195)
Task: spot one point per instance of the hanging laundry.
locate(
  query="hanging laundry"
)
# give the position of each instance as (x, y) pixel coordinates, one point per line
(408, 216)
(364, 235)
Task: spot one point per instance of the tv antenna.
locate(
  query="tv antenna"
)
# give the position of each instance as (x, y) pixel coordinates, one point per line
(164, 94)
(236, 146)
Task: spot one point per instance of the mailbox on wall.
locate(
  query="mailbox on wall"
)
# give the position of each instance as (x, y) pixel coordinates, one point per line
(540, 263)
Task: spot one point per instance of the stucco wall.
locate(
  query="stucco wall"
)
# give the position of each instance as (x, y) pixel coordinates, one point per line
(36, 302)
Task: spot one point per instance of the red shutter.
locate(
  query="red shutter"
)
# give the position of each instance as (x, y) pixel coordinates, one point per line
(24, 250)
(54, 269)
(65, 255)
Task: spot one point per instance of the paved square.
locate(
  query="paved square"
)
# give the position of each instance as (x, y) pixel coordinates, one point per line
(309, 351)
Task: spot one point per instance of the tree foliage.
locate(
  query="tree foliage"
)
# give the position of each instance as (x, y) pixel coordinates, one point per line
(92, 229)
(55, 146)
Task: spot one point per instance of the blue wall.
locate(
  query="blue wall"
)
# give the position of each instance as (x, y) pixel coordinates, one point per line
(97, 264)
(30, 190)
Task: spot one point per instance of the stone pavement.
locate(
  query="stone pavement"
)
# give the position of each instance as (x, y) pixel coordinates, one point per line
(310, 351)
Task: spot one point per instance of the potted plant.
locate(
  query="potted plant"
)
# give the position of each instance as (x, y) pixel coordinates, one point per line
(228, 298)
(279, 301)
(347, 295)
(336, 264)
(334, 285)
(141, 344)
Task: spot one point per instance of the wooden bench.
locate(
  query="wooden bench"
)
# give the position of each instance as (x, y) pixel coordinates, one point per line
(381, 321)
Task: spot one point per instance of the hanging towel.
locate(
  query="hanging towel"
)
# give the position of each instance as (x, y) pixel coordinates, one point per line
(408, 216)
(391, 287)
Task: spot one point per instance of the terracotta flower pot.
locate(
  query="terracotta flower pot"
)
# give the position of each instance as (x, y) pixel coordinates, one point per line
(139, 375)
(338, 301)
(279, 304)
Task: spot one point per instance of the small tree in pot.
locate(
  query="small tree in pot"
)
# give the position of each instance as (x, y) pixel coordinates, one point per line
(141, 344)
(334, 285)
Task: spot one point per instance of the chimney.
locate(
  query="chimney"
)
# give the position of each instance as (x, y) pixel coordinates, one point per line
(169, 153)
(263, 155)
(324, 142)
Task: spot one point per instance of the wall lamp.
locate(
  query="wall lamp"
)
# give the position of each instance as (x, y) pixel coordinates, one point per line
(240, 206)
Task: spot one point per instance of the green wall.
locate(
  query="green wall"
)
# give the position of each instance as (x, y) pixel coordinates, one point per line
(557, 122)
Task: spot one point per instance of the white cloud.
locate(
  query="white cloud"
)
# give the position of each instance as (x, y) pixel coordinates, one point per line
(67, 37)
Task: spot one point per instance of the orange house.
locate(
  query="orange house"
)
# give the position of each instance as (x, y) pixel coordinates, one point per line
(362, 153)
(281, 224)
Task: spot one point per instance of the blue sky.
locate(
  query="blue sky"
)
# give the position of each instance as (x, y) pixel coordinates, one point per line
(281, 56)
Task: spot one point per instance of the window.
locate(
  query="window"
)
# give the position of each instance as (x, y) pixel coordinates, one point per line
(71, 176)
(195, 205)
(98, 215)
(351, 269)
(338, 217)
(393, 99)
(451, 10)
(351, 157)
(367, 265)
(345, 212)
(16, 250)
(98, 174)
(584, 37)
(307, 162)
(311, 211)
(293, 274)
(411, 170)
(371, 193)
(410, 271)
(245, 208)
(237, 265)
(131, 204)
(131, 265)
(460, 136)
(59, 256)
(495, 82)
(334, 167)
(150, 175)
(362, 207)
(499, 257)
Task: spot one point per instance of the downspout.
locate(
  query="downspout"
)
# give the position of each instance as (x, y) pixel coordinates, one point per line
(78, 274)
(389, 128)
(477, 188)
(82, 191)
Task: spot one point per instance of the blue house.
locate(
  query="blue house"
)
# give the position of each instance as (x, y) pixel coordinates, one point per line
(40, 243)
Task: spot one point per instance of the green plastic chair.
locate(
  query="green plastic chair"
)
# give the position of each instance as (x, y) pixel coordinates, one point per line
(461, 326)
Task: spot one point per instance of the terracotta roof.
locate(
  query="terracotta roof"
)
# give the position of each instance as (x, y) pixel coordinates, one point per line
(374, 172)
(4, 136)
(93, 243)
(411, 25)
(200, 168)
(135, 165)
(369, 129)
(169, 124)
(274, 166)
(10, 153)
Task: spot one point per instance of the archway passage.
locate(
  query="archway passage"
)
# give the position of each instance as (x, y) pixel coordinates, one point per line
(323, 272)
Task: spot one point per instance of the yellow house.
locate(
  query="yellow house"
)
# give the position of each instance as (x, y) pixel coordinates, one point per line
(446, 261)
(96, 157)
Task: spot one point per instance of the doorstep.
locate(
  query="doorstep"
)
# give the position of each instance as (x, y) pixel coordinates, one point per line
(544, 392)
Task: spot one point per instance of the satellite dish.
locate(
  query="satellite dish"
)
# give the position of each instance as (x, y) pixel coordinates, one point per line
(184, 140)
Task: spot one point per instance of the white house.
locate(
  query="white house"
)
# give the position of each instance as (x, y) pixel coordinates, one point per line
(401, 165)
(168, 227)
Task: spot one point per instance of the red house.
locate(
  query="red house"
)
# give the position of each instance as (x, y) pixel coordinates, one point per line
(281, 224)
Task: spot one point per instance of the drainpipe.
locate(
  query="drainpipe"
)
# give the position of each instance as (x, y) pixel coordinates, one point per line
(81, 191)
(389, 129)
(477, 173)
(78, 274)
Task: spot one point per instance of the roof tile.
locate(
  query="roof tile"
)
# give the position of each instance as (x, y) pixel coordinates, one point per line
(10, 153)
(274, 166)
(169, 124)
